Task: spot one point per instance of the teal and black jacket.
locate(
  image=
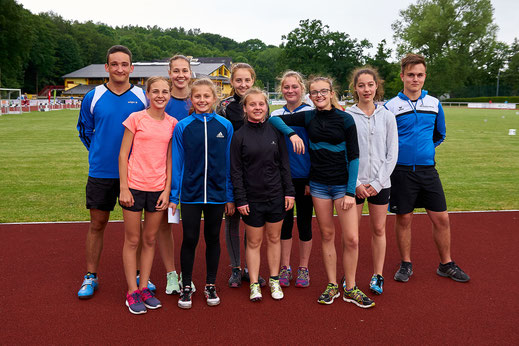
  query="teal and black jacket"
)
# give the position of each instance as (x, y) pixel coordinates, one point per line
(333, 145)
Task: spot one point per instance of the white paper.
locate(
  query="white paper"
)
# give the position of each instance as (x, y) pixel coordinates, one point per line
(173, 218)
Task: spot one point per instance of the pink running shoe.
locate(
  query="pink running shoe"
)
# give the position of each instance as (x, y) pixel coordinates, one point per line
(303, 277)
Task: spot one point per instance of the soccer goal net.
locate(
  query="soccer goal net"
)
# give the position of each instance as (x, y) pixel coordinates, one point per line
(10, 101)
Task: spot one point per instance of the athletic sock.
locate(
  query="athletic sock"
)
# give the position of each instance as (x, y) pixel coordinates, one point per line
(275, 277)
(93, 274)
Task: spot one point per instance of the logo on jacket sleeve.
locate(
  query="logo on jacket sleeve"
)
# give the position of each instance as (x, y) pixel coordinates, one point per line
(220, 135)
(273, 143)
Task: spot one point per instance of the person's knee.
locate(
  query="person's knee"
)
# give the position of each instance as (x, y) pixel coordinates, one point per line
(351, 242)
(404, 220)
(253, 243)
(379, 230)
(327, 236)
(273, 238)
(132, 242)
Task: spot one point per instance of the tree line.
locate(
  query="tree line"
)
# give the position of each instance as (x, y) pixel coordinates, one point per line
(458, 38)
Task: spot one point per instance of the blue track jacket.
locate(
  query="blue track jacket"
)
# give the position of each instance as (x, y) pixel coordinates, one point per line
(200, 151)
(421, 128)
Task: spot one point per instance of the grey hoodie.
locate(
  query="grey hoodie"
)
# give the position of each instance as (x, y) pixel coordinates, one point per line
(378, 146)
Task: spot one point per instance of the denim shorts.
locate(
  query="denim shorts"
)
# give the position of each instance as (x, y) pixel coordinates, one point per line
(327, 191)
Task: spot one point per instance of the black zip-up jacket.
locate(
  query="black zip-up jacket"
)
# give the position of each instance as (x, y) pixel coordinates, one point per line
(231, 109)
(260, 170)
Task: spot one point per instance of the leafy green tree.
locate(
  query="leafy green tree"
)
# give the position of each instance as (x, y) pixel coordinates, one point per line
(313, 49)
(389, 71)
(451, 34)
(15, 43)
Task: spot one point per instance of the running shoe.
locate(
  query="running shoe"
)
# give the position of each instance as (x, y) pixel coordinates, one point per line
(185, 298)
(358, 298)
(193, 288)
(151, 286)
(172, 286)
(452, 271)
(275, 289)
(285, 275)
(376, 283)
(404, 272)
(303, 277)
(211, 296)
(245, 277)
(330, 293)
(135, 304)
(148, 298)
(89, 285)
(235, 279)
(255, 292)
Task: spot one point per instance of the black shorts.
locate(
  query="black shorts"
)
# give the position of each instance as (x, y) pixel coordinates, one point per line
(381, 198)
(420, 188)
(261, 212)
(102, 193)
(146, 200)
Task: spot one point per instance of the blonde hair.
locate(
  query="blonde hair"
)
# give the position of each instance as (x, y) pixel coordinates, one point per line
(241, 65)
(333, 99)
(379, 94)
(298, 77)
(154, 79)
(253, 91)
(181, 57)
(204, 82)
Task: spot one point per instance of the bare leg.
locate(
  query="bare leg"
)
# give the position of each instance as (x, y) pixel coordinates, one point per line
(254, 240)
(441, 234)
(95, 237)
(149, 238)
(403, 235)
(166, 244)
(286, 250)
(377, 222)
(132, 236)
(273, 231)
(324, 212)
(349, 222)
(305, 248)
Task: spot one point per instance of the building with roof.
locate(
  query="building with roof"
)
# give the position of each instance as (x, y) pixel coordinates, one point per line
(79, 82)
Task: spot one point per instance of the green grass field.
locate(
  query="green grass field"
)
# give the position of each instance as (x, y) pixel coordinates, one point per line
(43, 164)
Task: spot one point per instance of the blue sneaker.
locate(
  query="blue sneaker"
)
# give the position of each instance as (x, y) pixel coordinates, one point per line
(151, 286)
(376, 284)
(135, 304)
(88, 287)
(149, 299)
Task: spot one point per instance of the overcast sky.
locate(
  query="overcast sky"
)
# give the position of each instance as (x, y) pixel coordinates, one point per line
(244, 19)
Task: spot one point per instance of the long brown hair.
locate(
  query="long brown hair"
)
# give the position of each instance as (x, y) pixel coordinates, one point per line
(379, 94)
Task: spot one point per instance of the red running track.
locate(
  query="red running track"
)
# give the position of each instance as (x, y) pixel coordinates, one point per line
(42, 265)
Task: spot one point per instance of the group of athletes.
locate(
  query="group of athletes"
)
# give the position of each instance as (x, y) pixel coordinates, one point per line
(174, 143)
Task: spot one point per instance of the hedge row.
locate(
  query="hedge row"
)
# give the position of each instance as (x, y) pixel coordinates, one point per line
(498, 99)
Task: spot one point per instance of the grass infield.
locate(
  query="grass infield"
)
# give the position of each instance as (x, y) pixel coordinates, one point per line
(43, 164)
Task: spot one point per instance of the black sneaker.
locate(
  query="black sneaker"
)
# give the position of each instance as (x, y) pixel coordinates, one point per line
(235, 279)
(404, 272)
(211, 296)
(452, 271)
(184, 301)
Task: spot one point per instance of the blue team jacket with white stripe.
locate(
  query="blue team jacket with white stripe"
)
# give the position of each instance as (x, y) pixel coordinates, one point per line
(200, 152)
(421, 128)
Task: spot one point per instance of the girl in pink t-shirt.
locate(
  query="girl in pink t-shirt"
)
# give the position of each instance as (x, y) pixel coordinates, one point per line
(145, 180)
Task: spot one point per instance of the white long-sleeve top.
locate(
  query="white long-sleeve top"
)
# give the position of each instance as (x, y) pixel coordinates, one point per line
(378, 146)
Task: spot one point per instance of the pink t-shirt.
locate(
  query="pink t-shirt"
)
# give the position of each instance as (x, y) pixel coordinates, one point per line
(147, 162)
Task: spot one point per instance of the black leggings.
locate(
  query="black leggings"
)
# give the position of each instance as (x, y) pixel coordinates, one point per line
(191, 215)
(305, 208)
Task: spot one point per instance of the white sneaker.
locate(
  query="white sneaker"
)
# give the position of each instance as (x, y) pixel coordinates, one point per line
(275, 289)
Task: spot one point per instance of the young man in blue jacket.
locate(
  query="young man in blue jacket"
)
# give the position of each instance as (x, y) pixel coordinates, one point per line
(415, 183)
(100, 128)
